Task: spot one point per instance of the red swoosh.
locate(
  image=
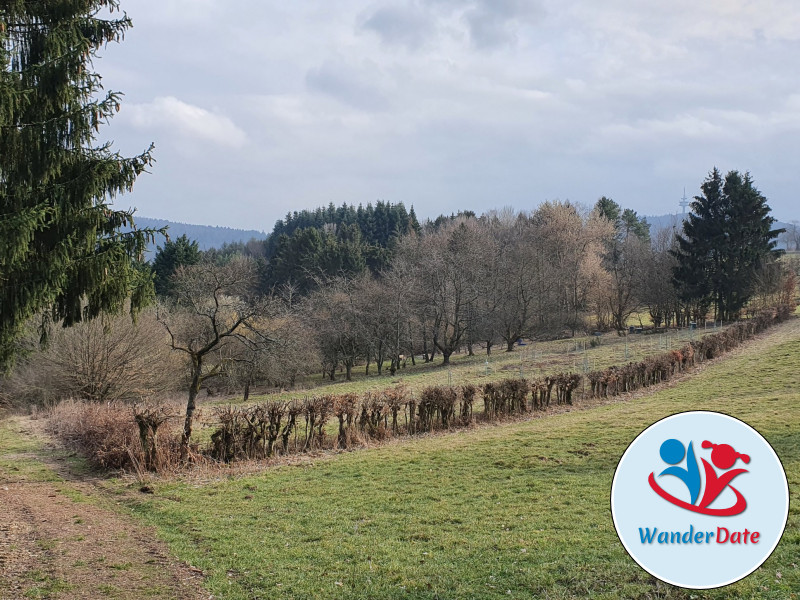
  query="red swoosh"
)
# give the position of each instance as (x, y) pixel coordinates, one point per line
(736, 509)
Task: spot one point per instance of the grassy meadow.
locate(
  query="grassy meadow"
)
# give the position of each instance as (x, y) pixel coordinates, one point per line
(516, 510)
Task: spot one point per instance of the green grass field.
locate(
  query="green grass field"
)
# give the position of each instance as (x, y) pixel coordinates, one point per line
(508, 511)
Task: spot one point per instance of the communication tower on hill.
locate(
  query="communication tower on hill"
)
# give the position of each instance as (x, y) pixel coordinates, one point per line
(684, 202)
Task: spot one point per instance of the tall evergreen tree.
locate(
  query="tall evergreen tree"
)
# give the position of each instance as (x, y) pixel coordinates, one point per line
(609, 209)
(413, 223)
(62, 246)
(626, 222)
(181, 252)
(727, 240)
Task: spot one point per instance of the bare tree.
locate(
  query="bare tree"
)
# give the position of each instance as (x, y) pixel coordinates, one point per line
(448, 281)
(335, 313)
(280, 348)
(791, 236)
(214, 312)
(399, 284)
(624, 261)
(656, 289)
(484, 319)
(373, 299)
(523, 279)
(406, 280)
(572, 240)
(293, 352)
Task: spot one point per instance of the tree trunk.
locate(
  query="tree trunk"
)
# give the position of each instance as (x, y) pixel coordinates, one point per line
(191, 405)
(246, 390)
(510, 345)
(411, 344)
(348, 365)
(488, 347)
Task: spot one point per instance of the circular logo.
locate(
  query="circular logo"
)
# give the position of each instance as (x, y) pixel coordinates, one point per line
(699, 500)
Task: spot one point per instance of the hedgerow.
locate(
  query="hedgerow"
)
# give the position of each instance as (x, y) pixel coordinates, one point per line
(147, 437)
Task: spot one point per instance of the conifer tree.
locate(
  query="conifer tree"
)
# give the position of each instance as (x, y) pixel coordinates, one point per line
(727, 239)
(413, 223)
(63, 247)
(181, 252)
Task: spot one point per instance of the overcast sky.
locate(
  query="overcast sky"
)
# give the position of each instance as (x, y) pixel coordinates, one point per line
(258, 107)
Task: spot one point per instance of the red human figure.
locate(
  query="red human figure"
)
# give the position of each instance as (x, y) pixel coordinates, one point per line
(724, 457)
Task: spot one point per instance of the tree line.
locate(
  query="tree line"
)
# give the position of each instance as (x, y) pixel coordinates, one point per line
(463, 283)
(468, 281)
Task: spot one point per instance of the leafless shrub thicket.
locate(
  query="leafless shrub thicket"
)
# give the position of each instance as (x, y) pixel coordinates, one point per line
(104, 360)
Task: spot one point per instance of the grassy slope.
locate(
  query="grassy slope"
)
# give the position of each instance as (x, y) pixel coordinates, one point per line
(516, 510)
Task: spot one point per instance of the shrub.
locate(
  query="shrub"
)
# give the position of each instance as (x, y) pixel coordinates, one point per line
(109, 436)
(146, 437)
(468, 393)
(437, 407)
(344, 407)
(103, 360)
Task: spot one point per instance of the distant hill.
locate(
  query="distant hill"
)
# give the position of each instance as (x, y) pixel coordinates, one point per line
(206, 236)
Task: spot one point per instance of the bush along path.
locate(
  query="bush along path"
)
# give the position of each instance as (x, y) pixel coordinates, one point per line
(58, 540)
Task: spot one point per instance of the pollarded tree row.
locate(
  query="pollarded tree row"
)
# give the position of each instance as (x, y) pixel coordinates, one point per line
(653, 370)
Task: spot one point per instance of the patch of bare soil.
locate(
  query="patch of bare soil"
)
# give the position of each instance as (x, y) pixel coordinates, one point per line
(56, 544)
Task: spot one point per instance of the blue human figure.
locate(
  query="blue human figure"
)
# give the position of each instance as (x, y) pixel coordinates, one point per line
(672, 452)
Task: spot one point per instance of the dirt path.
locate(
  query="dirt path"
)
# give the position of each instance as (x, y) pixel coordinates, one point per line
(57, 541)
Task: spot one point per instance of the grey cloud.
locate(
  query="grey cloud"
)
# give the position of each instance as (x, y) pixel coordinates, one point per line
(358, 88)
(407, 25)
(493, 23)
(512, 9)
(489, 32)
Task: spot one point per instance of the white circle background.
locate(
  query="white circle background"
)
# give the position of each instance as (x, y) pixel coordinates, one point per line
(635, 505)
